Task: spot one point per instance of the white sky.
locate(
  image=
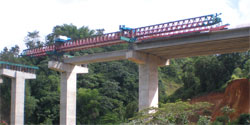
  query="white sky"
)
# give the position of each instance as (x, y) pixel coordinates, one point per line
(17, 17)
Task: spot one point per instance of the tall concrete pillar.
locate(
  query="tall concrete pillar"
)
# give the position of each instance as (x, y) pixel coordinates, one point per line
(1, 80)
(148, 77)
(17, 94)
(148, 85)
(68, 90)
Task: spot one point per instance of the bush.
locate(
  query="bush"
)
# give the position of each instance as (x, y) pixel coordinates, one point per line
(222, 119)
(244, 119)
(204, 120)
(217, 123)
(169, 113)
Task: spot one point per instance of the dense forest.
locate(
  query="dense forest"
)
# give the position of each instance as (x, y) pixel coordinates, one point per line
(109, 92)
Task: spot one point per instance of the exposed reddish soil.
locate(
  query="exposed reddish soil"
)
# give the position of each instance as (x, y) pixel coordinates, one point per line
(236, 96)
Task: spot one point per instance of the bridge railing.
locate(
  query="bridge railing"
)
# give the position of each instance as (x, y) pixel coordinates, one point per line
(18, 67)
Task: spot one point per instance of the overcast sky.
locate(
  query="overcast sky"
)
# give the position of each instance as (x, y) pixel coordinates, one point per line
(17, 17)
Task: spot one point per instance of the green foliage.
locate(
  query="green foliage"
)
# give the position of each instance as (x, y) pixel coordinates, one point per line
(227, 111)
(244, 119)
(204, 74)
(221, 120)
(71, 31)
(246, 69)
(225, 119)
(131, 109)
(5, 98)
(110, 119)
(204, 120)
(89, 102)
(169, 113)
(210, 71)
(32, 40)
(173, 71)
(10, 55)
(30, 103)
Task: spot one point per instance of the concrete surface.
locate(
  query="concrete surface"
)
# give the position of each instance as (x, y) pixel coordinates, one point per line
(17, 94)
(148, 84)
(1, 80)
(68, 90)
(97, 57)
(220, 42)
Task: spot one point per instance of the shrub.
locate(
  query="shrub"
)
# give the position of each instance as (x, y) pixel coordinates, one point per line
(204, 120)
(221, 119)
(169, 113)
(244, 119)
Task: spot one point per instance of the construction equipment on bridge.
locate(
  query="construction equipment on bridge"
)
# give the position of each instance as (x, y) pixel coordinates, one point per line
(17, 67)
(62, 39)
(206, 23)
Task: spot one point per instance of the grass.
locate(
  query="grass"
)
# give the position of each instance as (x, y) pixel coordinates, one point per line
(170, 86)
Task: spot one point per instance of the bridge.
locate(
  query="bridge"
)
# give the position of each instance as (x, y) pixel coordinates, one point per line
(219, 42)
(150, 47)
(148, 55)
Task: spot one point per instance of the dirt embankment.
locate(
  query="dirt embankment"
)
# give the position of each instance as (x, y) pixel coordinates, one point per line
(236, 96)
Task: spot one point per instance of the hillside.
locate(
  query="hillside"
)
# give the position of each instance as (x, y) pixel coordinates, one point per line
(236, 95)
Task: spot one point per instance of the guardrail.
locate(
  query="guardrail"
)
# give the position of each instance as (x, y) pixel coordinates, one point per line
(18, 67)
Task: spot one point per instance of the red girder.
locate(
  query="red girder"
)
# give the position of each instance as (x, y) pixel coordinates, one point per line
(183, 31)
(197, 24)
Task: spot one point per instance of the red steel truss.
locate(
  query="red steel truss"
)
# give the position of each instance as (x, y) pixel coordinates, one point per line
(198, 24)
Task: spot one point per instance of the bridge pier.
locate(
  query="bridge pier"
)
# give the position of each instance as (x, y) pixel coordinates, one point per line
(1, 80)
(148, 85)
(68, 90)
(148, 77)
(17, 94)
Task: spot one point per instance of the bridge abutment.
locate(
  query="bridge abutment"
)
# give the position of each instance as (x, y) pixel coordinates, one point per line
(68, 90)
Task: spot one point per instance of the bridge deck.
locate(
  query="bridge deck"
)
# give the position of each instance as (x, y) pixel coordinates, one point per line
(220, 42)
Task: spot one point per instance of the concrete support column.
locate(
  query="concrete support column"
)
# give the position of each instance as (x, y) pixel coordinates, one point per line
(148, 85)
(17, 94)
(68, 98)
(1, 80)
(68, 90)
(17, 99)
(148, 77)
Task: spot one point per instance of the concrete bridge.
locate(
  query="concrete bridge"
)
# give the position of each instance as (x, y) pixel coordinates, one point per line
(148, 55)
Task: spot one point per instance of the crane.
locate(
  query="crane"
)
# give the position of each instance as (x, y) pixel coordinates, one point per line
(206, 23)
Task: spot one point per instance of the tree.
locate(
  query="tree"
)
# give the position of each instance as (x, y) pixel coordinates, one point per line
(246, 69)
(69, 30)
(32, 40)
(88, 103)
(5, 98)
(211, 73)
(10, 55)
(15, 50)
(99, 31)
